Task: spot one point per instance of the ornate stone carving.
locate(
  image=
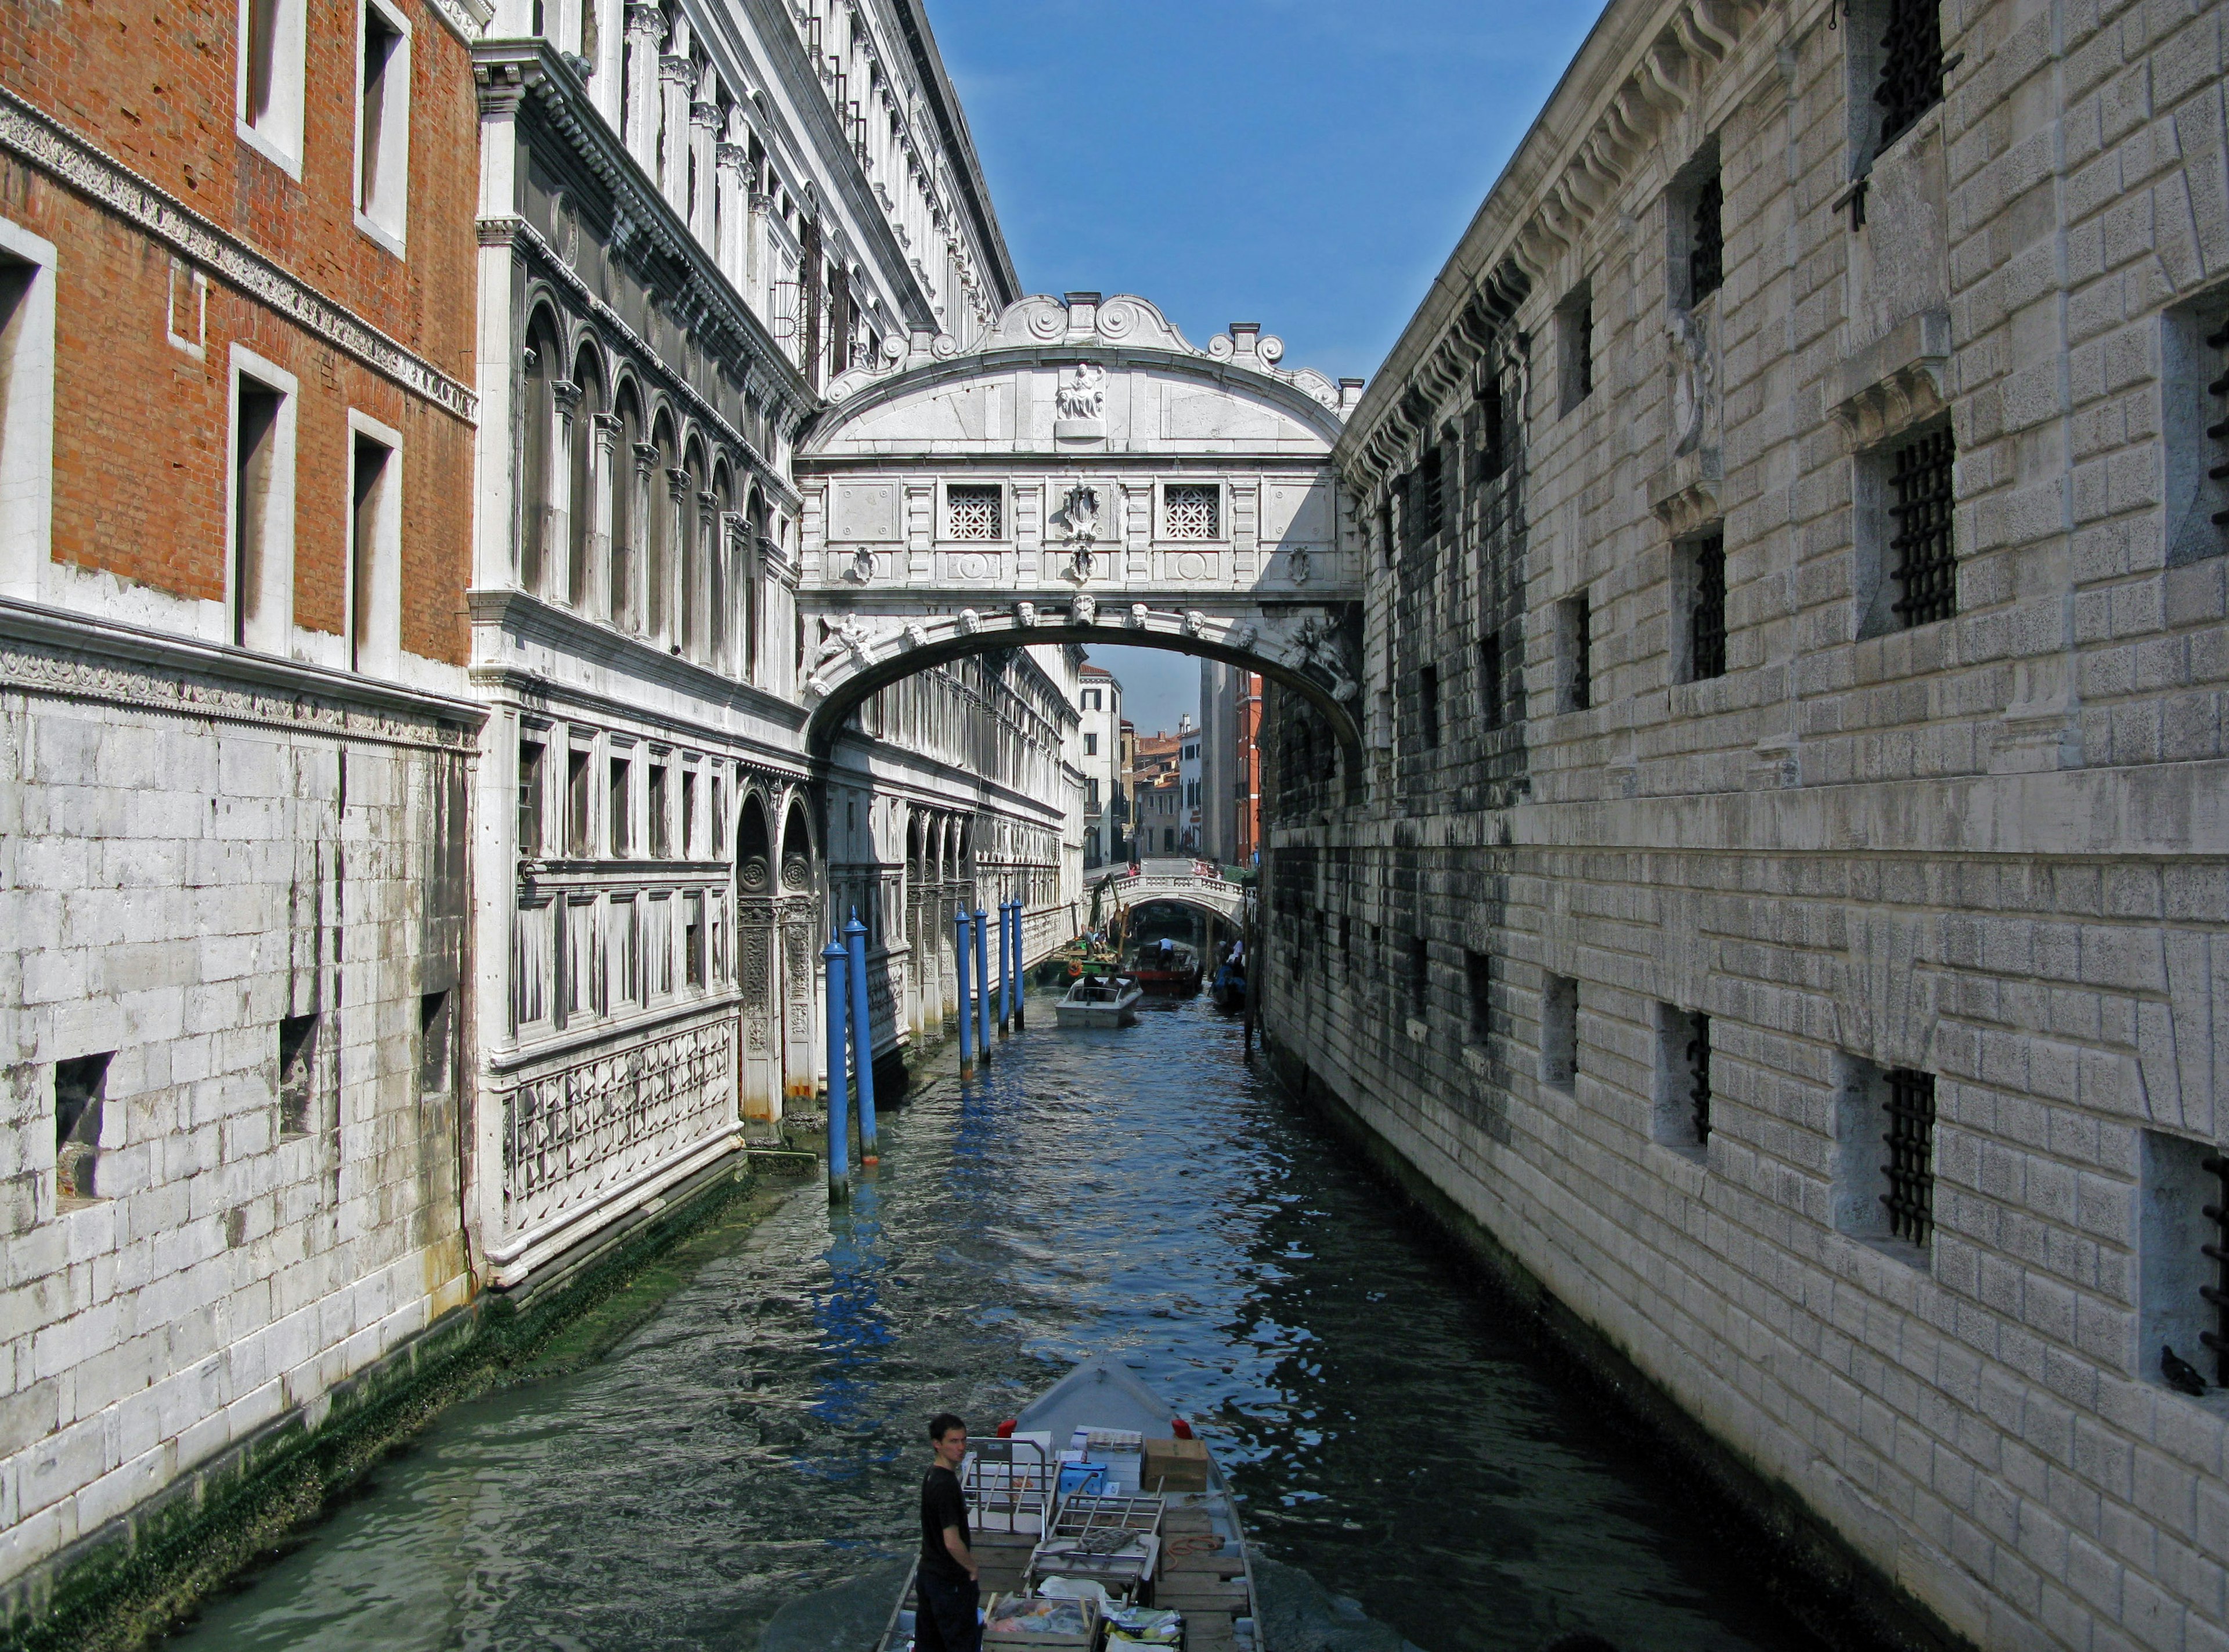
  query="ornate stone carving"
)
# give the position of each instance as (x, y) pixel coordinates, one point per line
(1025, 614)
(1314, 646)
(1083, 610)
(1694, 379)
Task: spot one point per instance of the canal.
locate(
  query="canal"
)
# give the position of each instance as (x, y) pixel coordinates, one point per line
(758, 1438)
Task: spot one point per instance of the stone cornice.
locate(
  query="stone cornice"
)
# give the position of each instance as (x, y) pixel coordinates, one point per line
(525, 70)
(39, 140)
(467, 19)
(61, 655)
(1643, 65)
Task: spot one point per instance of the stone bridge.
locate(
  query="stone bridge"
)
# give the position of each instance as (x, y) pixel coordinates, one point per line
(1176, 882)
(1082, 474)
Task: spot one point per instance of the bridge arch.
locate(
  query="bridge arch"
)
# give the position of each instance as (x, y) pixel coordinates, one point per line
(1081, 473)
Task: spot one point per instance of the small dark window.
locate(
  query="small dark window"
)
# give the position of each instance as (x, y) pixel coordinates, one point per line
(434, 1036)
(1576, 333)
(1346, 939)
(2218, 433)
(1706, 246)
(1427, 704)
(1420, 976)
(1493, 459)
(80, 1084)
(1911, 66)
(577, 803)
(298, 1073)
(1910, 1138)
(1926, 566)
(529, 800)
(1707, 618)
(1385, 529)
(661, 816)
(719, 818)
(1431, 492)
(1490, 708)
(2216, 1293)
(689, 814)
(1559, 1031)
(692, 936)
(1578, 653)
(1698, 1075)
(620, 796)
(1478, 980)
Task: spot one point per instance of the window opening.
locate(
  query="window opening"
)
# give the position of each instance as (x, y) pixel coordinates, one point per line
(1491, 437)
(1559, 1032)
(1431, 492)
(661, 830)
(719, 818)
(2217, 1293)
(381, 127)
(1911, 66)
(297, 1051)
(372, 627)
(689, 814)
(80, 1084)
(1909, 1103)
(529, 800)
(1698, 1075)
(618, 801)
(576, 804)
(1926, 567)
(433, 1041)
(974, 512)
(256, 418)
(1478, 980)
(1427, 704)
(1707, 618)
(1490, 710)
(1091, 745)
(1420, 976)
(1707, 249)
(692, 937)
(1579, 622)
(1193, 511)
(2219, 431)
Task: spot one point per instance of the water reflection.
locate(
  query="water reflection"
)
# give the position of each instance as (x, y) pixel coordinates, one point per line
(1139, 1190)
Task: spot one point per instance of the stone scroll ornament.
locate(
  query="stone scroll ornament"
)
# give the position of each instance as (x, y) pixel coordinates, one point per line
(1314, 646)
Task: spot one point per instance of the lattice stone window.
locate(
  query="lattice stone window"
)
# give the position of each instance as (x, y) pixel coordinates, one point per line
(1193, 511)
(974, 512)
(1919, 478)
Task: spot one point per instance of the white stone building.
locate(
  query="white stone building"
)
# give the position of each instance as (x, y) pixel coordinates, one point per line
(1106, 810)
(1784, 900)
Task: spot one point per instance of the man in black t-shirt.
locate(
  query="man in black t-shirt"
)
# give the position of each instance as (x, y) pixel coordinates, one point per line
(946, 1583)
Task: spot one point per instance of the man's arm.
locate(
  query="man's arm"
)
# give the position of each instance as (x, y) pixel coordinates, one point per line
(954, 1546)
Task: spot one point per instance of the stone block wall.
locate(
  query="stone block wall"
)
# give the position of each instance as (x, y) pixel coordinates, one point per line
(1984, 848)
(195, 868)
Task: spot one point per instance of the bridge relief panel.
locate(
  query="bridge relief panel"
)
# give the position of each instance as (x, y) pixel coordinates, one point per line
(1082, 474)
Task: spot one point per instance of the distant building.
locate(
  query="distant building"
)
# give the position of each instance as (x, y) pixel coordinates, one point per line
(1165, 824)
(1106, 801)
(1230, 766)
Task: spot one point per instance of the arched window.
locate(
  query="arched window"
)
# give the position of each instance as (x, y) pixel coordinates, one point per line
(537, 419)
(581, 549)
(627, 492)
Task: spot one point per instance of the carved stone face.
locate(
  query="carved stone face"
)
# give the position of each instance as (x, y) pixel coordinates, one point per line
(1025, 614)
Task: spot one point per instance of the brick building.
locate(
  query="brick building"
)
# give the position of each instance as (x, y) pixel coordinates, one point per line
(237, 262)
(1782, 901)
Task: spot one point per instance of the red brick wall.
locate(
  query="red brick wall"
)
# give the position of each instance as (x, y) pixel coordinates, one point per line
(141, 426)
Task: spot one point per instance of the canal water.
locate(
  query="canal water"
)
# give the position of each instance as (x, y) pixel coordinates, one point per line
(1146, 1192)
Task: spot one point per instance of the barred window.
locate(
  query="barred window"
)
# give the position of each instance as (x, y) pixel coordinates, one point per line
(1431, 492)
(1707, 250)
(1490, 708)
(1706, 620)
(1926, 566)
(1577, 627)
(1698, 1075)
(1911, 66)
(2218, 433)
(974, 512)
(1909, 1139)
(1193, 511)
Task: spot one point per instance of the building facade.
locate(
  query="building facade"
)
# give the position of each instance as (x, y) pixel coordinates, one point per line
(1230, 766)
(1782, 899)
(1106, 803)
(240, 413)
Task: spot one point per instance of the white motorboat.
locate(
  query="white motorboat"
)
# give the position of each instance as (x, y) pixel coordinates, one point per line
(1093, 1002)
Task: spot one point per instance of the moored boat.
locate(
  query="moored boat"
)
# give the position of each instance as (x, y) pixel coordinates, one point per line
(1094, 1002)
(1096, 1509)
(1171, 968)
(1229, 986)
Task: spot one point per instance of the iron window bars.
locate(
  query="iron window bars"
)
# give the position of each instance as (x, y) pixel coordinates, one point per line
(2219, 431)
(1911, 66)
(1698, 1074)
(1706, 252)
(1707, 621)
(2218, 1253)
(1926, 565)
(1490, 708)
(1583, 649)
(1911, 1166)
(1431, 492)
(1583, 348)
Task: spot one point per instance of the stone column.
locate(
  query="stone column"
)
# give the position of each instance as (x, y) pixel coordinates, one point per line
(603, 443)
(645, 500)
(665, 613)
(678, 80)
(708, 638)
(731, 164)
(645, 37)
(703, 141)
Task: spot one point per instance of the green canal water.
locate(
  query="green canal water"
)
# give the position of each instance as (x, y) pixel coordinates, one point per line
(1411, 1468)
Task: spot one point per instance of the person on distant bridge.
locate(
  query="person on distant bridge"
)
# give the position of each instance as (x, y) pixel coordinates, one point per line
(947, 1583)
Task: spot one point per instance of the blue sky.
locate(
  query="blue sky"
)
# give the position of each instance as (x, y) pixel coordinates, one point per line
(1305, 163)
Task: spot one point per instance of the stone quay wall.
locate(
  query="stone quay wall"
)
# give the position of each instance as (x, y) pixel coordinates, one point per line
(1794, 666)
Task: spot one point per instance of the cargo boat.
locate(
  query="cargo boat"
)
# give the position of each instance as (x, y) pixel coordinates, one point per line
(1167, 968)
(1098, 1489)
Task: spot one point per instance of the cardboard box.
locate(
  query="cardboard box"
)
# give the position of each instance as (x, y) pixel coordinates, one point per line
(1174, 1465)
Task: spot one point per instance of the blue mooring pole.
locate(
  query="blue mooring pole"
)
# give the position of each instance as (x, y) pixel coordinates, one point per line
(839, 1168)
(863, 1037)
(1006, 975)
(983, 979)
(966, 1007)
(1014, 961)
